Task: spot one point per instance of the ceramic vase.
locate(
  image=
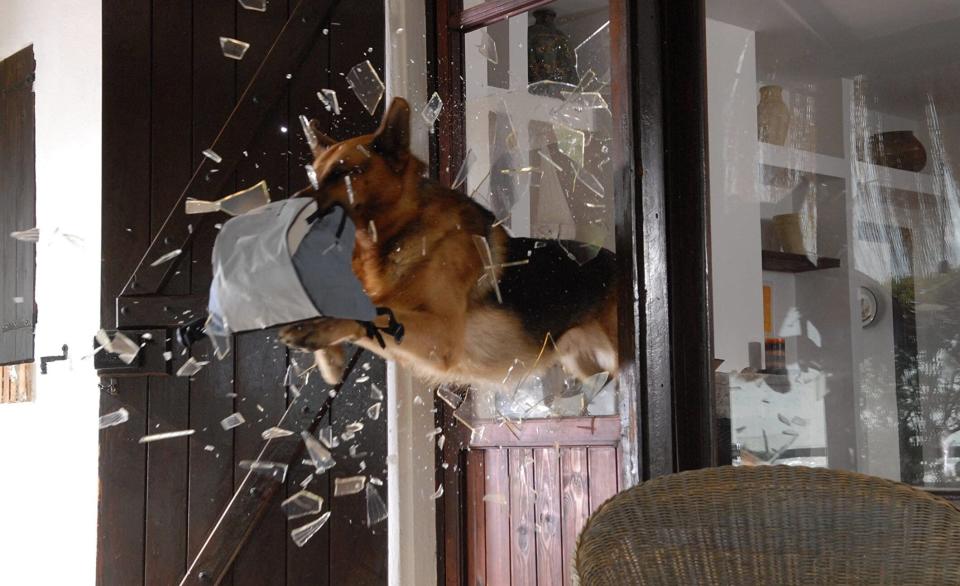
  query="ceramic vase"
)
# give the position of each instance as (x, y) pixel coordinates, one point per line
(773, 116)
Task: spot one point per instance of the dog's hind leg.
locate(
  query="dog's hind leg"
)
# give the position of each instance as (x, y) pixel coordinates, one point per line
(585, 351)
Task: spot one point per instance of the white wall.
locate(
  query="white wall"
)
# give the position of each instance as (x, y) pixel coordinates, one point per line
(734, 209)
(411, 524)
(48, 496)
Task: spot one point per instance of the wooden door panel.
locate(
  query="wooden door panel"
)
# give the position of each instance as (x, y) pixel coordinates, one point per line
(534, 499)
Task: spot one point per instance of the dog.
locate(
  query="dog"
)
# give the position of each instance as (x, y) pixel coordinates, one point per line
(421, 250)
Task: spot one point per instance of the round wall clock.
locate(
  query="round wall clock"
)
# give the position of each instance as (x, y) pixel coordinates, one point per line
(869, 306)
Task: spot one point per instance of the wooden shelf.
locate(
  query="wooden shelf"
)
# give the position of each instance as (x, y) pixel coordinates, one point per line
(787, 262)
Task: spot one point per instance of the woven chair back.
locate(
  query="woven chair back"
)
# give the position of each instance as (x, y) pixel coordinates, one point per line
(771, 525)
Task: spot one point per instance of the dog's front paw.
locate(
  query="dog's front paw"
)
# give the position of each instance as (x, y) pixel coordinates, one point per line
(320, 333)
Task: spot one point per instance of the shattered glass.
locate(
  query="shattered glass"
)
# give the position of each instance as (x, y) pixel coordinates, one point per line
(213, 156)
(312, 177)
(233, 48)
(165, 435)
(302, 504)
(191, 367)
(373, 412)
(232, 420)
(31, 235)
(320, 456)
(438, 493)
(235, 204)
(302, 534)
(488, 47)
(431, 111)
(366, 85)
(468, 160)
(167, 257)
(490, 270)
(257, 5)
(274, 470)
(308, 133)
(330, 101)
(570, 142)
(449, 395)
(125, 348)
(593, 53)
(275, 432)
(376, 508)
(117, 417)
(348, 485)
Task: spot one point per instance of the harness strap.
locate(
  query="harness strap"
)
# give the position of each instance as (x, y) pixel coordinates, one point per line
(393, 328)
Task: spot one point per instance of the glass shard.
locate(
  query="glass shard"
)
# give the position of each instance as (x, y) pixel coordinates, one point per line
(590, 181)
(120, 345)
(191, 367)
(437, 494)
(593, 385)
(274, 470)
(570, 142)
(488, 47)
(375, 393)
(431, 111)
(366, 85)
(117, 417)
(210, 154)
(31, 235)
(449, 395)
(308, 132)
(275, 432)
(594, 53)
(327, 438)
(302, 504)
(232, 420)
(232, 48)
(330, 101)
(306, 481)
(312, 177)
(258, 5)
(319, 455)
(461, 177)
(486, 256)
(235, 204)
(348, 485)
(353, 427)
(376, 508)
(349, 183)
(373, 412)
(301, 535)
(166, 435)
(167, 257)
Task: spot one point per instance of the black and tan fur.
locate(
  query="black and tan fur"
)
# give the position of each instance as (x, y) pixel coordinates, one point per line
(415, 253)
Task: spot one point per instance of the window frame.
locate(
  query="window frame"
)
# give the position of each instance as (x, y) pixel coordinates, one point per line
(662, 243)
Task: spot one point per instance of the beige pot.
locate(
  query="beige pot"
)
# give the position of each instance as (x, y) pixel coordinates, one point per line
(773, 116)
(789, 228)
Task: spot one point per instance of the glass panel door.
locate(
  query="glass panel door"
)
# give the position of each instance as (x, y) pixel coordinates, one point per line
(834, 133)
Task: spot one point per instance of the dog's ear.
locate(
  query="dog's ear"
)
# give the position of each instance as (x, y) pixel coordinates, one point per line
(392, 139)
(319, 141)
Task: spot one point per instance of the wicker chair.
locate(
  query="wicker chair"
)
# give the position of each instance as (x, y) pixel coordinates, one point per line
(771, 525)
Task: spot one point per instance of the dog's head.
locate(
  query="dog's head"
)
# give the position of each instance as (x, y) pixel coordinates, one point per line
(368, 173)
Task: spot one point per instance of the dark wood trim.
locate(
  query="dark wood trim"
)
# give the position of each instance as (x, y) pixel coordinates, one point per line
(687, 255)
(490, 12)
(788, 262)
(159, 310)
(545, 433)
(448, 151)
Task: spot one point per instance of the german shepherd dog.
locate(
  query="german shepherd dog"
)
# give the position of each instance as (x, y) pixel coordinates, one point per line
(417, 253)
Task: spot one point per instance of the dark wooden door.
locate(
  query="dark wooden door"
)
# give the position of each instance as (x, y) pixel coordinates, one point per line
(18, 200)
(167, 89)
